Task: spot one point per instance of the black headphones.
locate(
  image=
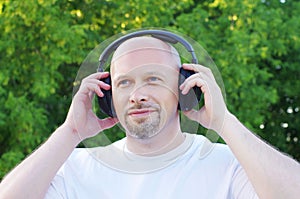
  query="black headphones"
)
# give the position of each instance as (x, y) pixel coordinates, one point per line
(186, 102)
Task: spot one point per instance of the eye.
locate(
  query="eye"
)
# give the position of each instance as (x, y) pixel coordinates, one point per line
(153, 79)
(123, 83)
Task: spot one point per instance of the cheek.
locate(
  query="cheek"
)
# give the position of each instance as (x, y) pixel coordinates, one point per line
(172, 103)
(120, 100)
(169, 100)
(171, 93)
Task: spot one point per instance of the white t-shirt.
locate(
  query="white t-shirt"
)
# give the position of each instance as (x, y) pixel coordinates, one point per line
(195, 169)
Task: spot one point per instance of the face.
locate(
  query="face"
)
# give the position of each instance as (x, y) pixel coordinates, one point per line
(145, 91)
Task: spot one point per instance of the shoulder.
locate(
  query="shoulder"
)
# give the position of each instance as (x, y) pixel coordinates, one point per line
(217, 152)
(81, 159)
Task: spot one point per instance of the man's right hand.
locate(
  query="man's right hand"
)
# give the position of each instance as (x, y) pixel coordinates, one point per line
(81, 118)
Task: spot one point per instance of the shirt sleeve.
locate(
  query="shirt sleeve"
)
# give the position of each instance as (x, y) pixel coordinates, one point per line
(241, 187)
(56, 189)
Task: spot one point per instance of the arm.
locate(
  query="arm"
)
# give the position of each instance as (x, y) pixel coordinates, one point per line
(272, 174)
(32, 177)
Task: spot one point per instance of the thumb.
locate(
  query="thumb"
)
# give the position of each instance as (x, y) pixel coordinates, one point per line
(107, 123)
(192, 114)
(198, 116)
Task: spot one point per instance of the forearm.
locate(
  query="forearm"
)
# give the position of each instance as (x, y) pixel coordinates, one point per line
(32, 177)
(272, 174)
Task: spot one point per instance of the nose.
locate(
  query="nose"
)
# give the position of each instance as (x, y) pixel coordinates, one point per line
(139, 95)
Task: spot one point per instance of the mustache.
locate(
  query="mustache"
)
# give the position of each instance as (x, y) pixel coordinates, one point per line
(144, 105)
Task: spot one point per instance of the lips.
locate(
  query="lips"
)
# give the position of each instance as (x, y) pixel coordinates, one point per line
(140, 112)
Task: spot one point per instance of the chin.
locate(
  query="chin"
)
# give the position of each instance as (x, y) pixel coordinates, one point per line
(142, 134)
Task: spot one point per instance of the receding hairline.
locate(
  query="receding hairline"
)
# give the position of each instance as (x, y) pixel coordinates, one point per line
(144, 43)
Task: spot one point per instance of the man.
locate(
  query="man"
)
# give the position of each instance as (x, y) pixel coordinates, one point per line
(156, 159)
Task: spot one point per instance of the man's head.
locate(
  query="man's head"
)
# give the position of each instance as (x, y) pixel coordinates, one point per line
(144, 73)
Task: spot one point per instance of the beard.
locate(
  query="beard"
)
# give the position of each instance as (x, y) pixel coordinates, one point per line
(143, 128)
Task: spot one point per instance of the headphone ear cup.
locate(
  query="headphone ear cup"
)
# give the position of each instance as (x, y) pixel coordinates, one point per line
(105, 102)
(192, 98)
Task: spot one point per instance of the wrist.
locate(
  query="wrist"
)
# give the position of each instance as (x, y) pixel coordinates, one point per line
(228, 118)
(229, 124)
(69, 134)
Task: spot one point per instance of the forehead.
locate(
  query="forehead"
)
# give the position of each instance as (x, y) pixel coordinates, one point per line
(143, 51)
(142, 58)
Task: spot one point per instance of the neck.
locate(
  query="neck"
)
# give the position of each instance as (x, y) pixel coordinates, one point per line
(163, 142)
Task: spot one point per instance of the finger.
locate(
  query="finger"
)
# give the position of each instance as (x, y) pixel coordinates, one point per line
(95, 86)
(192, 67)
(197, 79)
(199, 68)
(100, 83)
(200, 80)
(92, 88)
(97, 75)
(88, 88)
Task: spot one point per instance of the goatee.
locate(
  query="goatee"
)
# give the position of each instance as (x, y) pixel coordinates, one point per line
(144, 128)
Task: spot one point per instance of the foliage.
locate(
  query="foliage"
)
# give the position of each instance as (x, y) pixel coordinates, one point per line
(255, 45)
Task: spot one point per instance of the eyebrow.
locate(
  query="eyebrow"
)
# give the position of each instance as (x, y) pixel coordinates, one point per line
(158, 73)
(119, 77)
(149, 73)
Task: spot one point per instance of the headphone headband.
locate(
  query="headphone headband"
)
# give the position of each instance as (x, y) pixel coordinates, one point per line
(159, 34)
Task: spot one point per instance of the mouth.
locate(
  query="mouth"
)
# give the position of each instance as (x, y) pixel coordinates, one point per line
(138, 113)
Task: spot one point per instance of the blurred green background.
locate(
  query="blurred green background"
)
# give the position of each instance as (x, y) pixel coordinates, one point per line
(255, 44)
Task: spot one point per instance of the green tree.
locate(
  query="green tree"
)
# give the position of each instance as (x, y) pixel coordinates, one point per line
(42, 46)
(39, 45)
(255, 45)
